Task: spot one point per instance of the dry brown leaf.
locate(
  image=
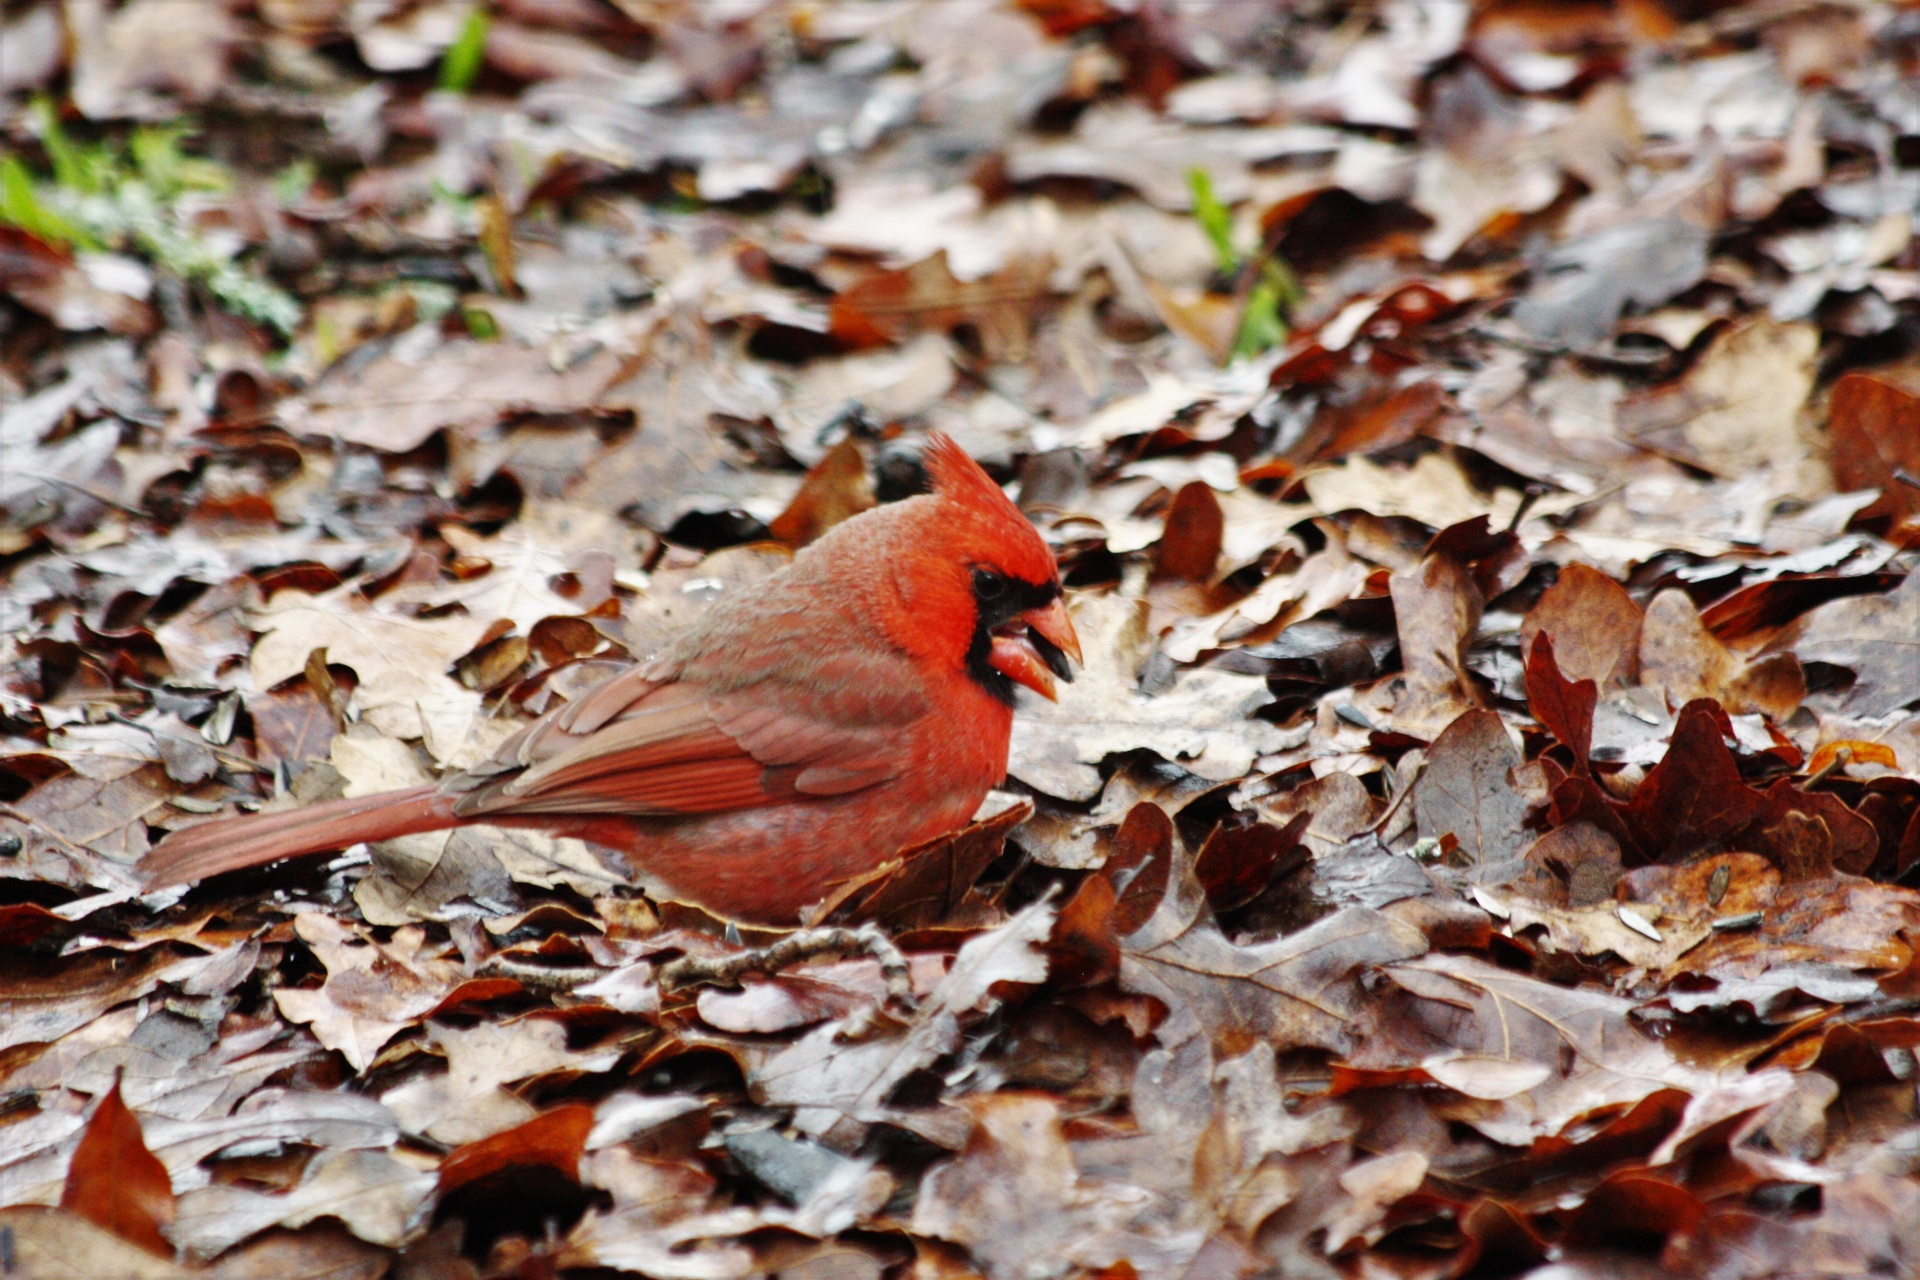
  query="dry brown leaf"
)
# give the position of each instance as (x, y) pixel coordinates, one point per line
(1437, 608)
(114, 1182)
(124, 59)
(891, 304)
(1204, 722)
(1013, 1195)
(1467, 790)
(1738, 408)
(1874, 426)
(1594, 623)
(468, 1103)
(52, 1244)
(830, 1080)
(1300, 991)
(1681, 660)
(1878, 638)
(374, 990)
(77, 830)
(402, 661)
(380, 1199)
(836, 487)
(399, 400)
(1529, 1058)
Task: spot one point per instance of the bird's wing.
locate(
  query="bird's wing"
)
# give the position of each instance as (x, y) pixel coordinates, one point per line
(641, 745)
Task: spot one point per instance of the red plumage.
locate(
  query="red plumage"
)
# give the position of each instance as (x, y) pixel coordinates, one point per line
(858, 702)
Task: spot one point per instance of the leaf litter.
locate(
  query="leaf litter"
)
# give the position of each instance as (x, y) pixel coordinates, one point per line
(1479, 441)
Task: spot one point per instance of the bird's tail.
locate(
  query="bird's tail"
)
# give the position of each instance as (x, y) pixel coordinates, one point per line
(228, 844)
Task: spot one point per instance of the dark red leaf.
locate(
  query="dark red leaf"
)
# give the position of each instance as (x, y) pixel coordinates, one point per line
(1564, 707)
(1241, 857)
(1190, 547)
(1694, 797)
(114, 1182)
(1138, 865)
(554, 1140)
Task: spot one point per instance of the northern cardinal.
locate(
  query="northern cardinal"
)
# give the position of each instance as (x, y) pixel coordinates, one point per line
(801, 733)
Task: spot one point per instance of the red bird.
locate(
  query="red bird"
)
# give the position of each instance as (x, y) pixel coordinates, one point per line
(801, 733)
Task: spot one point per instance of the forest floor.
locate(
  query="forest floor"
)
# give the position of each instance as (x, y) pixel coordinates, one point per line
(1482, 443)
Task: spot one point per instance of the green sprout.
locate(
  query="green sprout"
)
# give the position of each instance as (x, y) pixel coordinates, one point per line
(1270, 296)
(21, 207)
(102, 197)
(291, 184)
(460, 66)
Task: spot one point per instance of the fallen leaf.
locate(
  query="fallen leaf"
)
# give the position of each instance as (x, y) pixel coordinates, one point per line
(836, 487)
(468, 1103)
(831, 1080)
(46, 996)
(928, 883)
(1694, 797)
(1874, 426)
(123, 60)
(553, 1139)
(1878, 638)
(79, 830)
(1739, 406)
(375, 1196)
(52, 1244)
(1190, 547)
(1681, 660)
(1204, 722)
(1582, 287)
(373, 990)
(396, 402)
(1013, 1195)
(1467, 790)
(1594, 623)
(891, 304)
(402, 661)
(269, 1118)
(1434, 491)
(1853, 925)
(115, 1182)
(1300, 991)
(516, 583)
(1437, 608)
(1563, 707)
(42, 278)
(1444, 1007)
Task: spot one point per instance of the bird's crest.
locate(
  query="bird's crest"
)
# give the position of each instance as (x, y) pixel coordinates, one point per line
(956, 476)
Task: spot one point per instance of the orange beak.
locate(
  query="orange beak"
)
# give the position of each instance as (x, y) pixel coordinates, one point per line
(1035, 649)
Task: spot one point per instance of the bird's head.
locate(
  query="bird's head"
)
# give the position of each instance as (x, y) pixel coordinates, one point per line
(975, 570)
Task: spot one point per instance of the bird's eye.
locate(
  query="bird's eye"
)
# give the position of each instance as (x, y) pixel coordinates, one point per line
(988, 585)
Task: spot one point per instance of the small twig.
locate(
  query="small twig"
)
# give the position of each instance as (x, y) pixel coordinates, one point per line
(538, 979)
(804, 944)
(1533, 494)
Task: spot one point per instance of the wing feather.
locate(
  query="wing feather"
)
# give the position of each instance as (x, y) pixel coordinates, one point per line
(640, 744)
